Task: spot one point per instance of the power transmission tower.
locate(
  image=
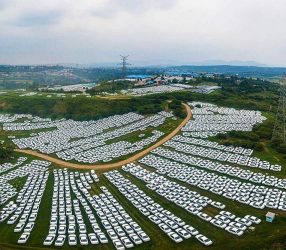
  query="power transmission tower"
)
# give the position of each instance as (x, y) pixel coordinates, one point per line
(124, 64)
(279, 130)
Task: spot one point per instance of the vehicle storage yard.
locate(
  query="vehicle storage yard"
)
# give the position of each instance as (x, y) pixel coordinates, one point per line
(168, 89)
(90, 142)
(189, 193)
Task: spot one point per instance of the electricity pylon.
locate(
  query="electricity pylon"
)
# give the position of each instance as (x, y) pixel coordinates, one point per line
(124, 65)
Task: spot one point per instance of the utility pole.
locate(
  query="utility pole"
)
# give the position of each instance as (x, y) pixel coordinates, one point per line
(124, 64)
(279, 130)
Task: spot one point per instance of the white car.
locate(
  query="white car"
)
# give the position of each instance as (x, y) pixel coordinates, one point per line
(253, 219)
(182, 232)
(83, 239)
(28, 228)
(71, 229)
(23, 238)
(238, 225)
(154, 219)
(112, 234)
(234, 230)
(191, 230)
(165, 228)
(143, 236)
(60, 240)
(135, 226)
(54, 220)
(19, 227)
(82, 228)
(53, 229)
(119, 231)
(33, 217)
(227, 214)
(172, 224)
(49, 240)
(127, 242)
(106, 224)
(93, 239)
(102, 238)
(218, 223)
(118, 244)
(92, 219)
(218, 204)
(96, 228)
(175, 237)
(204, 216)
(244, 221)
(203, 239)
(193, 210)
(135, 238)
(12, 220)
(223, 218)
(72, 240)
(62, 229)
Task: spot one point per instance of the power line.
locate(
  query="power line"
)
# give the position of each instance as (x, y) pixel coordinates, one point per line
(279, 130)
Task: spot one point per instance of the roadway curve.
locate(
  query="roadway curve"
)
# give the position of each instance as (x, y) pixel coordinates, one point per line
(115, 164)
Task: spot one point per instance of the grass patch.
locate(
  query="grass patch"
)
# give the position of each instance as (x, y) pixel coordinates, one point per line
(18, 182)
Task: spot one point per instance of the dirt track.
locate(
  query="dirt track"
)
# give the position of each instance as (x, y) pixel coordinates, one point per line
(111, 165)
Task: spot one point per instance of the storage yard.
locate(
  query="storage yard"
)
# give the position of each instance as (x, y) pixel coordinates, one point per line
(168, 89)
(145, 125)
(90, 142)
(188, 193)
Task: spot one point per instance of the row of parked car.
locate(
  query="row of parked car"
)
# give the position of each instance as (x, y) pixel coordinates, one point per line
(8, 165)
(70, 133)
(109, 152)
(87, 141)
(183, 144)
(66, 222)
(82, 220)
(94, 127)
(201, 134)
(237, 172)
(212, 144)
(192, 201)
(7, 118)
(7, 190)
(156, 89)
(258, 196)
(25, 211)
(219, 155)
(173, 226)
(211, 118)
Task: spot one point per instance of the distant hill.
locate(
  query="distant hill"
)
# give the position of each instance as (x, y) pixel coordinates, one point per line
(246, 71)
(230, 63)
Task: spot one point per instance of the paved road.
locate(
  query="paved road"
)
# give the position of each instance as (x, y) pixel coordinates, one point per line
(116, 164)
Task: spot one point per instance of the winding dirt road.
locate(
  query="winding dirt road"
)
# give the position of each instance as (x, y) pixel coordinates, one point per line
(115, 164)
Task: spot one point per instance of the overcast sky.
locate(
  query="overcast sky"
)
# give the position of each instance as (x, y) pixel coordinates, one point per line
(151, 31)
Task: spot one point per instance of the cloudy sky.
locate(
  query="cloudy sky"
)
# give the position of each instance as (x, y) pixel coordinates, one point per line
(151, 31)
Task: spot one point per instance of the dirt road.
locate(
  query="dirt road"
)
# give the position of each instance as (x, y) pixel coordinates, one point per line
(116, 164)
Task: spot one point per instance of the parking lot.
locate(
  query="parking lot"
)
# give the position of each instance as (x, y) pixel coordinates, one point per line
(168, 89)
(88, 142)
(190, 192)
